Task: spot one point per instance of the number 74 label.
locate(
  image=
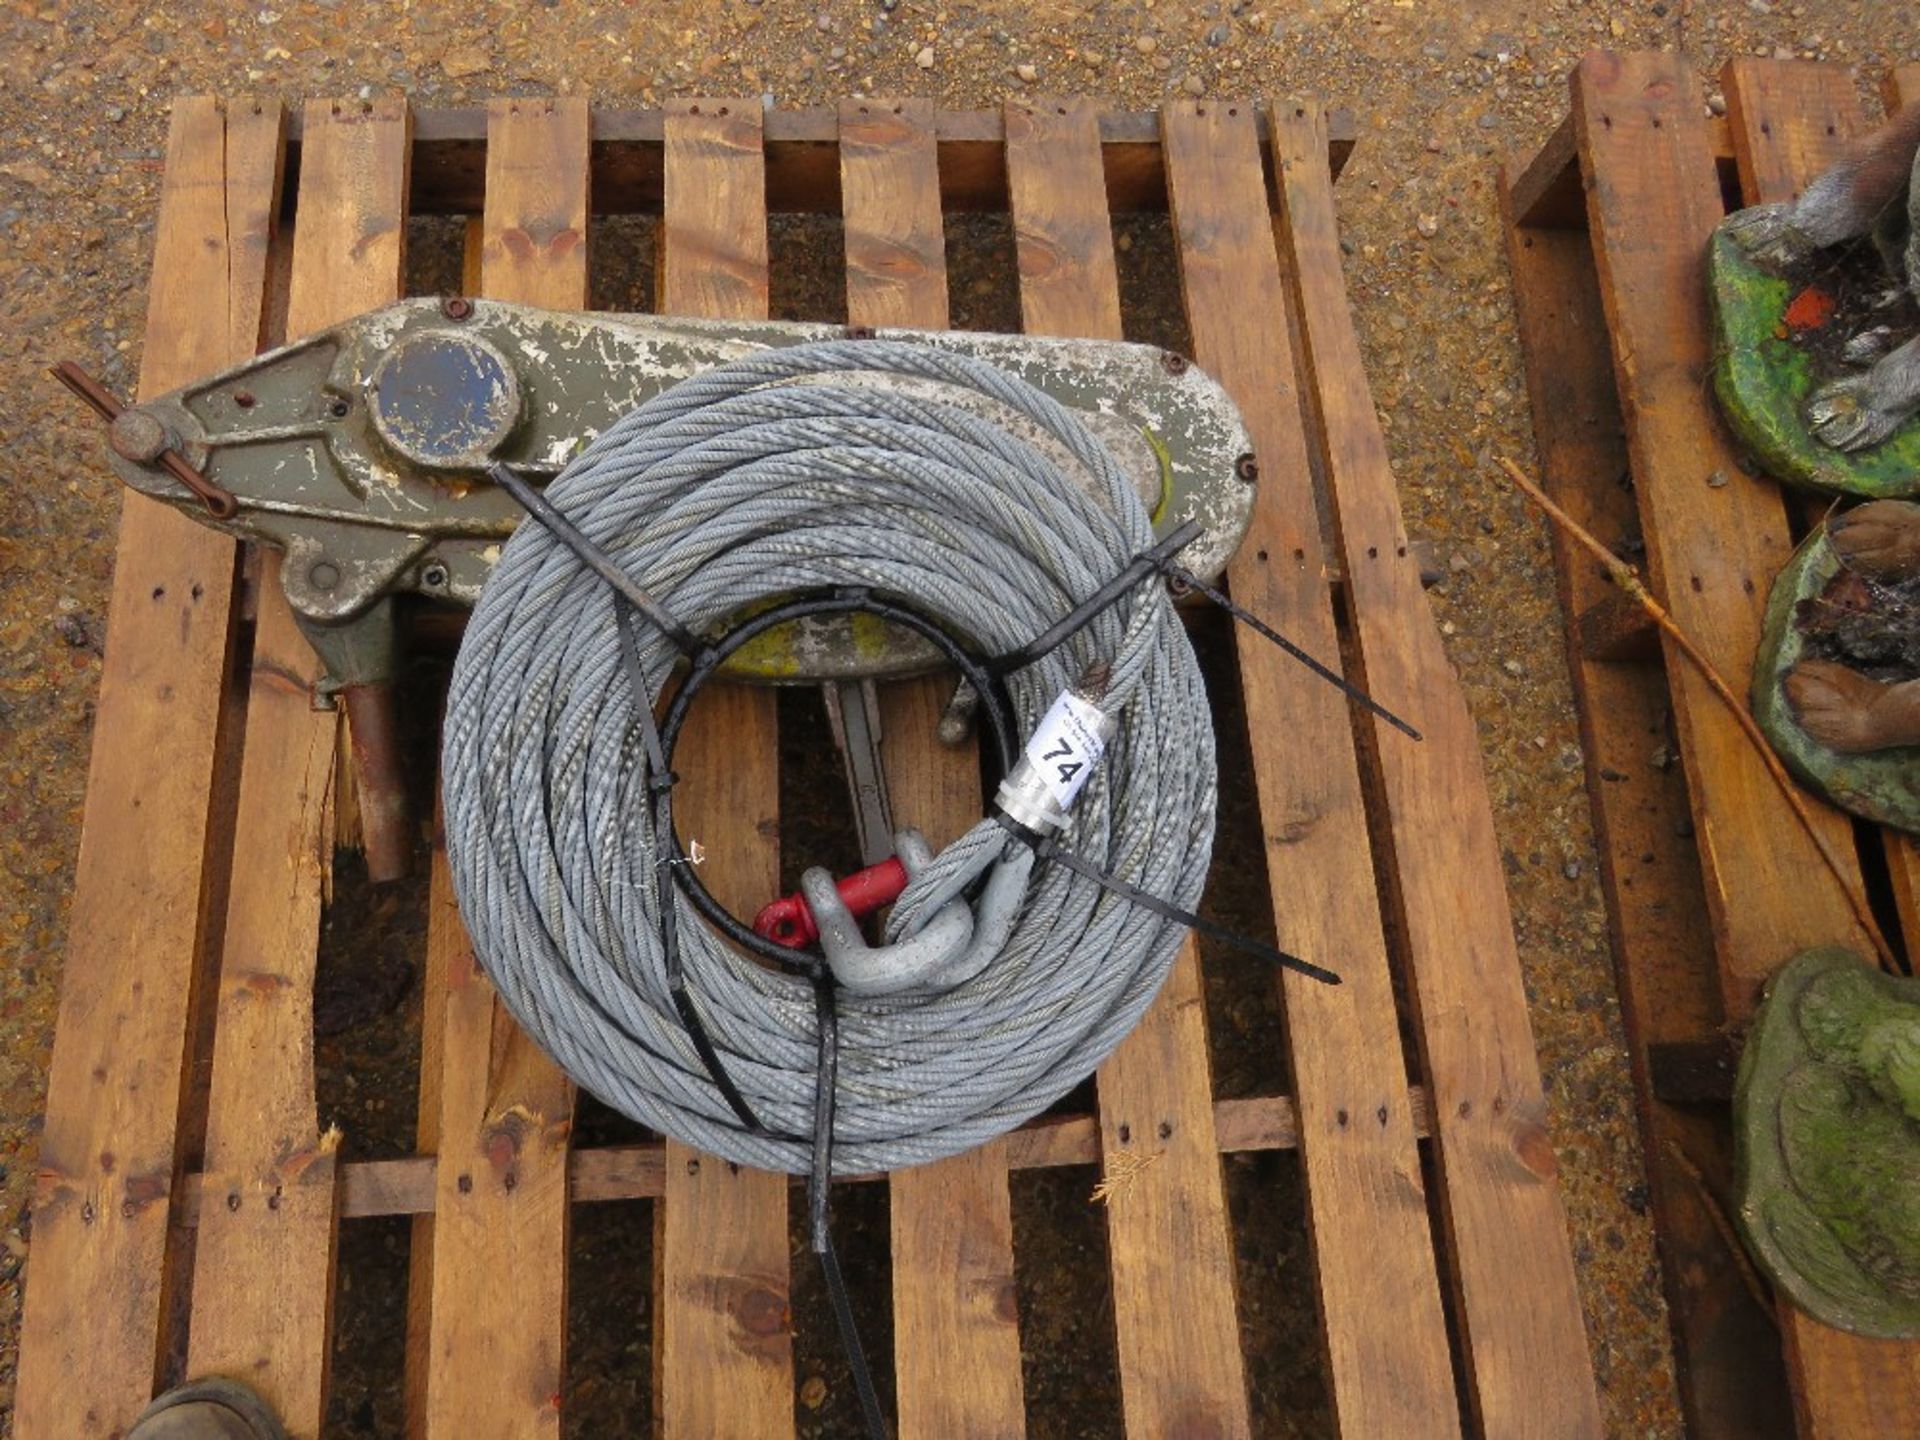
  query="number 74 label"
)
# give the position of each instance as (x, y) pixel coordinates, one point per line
(1066, 747)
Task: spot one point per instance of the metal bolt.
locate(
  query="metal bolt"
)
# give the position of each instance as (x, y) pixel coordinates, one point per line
(138, 436)
(456, 307)
(956, 720)
(1173, 362)
(323, 575)
(434, 576)
(338, 409)
(1247, 468)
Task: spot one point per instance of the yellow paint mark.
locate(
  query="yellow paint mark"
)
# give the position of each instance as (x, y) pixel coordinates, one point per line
(1165, 457)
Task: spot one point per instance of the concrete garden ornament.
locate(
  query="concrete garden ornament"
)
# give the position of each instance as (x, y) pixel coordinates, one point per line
(1816, 306)
(1818, 326)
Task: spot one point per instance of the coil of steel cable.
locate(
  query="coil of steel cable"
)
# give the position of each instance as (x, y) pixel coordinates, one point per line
(792, 473)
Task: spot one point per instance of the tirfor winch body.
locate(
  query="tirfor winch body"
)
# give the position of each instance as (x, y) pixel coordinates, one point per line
(361, 452)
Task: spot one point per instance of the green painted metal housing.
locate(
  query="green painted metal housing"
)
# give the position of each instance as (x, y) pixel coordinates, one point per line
(360, 452)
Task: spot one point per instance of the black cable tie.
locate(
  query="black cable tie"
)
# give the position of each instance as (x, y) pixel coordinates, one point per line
(660, 778)
(1024, 834)
(826, 1074)
(660, 782)
(696, 1029)
(1332, 677)
(819, 1206)
(595, 559)
(1050, 850)
(1154, 559)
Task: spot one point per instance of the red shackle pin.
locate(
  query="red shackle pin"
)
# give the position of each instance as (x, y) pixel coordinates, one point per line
(788, 921)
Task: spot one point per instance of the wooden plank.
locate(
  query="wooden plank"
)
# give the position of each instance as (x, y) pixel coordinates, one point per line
(444, 941)
(723, 1347)
(1169, 1247)
(506, 1110)
(1790, 123)
(534, 231)
(956, 1329)
(636, 1172)
(1731, 1386)
(446, 936)
(136, 949)
(896, 246)
(1390, 1371)
(1546, 191)
(263, 1273)
(1789, 120)
(1713, 549)
(260, 255)
(956, 1335)
(256, 166)
(1617, 627)
(1528, 1366)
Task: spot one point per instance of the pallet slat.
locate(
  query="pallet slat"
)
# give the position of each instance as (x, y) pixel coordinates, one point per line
(636, 1172)
(1790, 122)
(447, 940)
(263, 1271)
(1527, 1359)
(137, 949)
(500, 1215)
(956, 1336)
(1171, 1256)
(1663, 946)
(1390, 1371)
(1713, 549)
(723, 1349)
(956, 1328)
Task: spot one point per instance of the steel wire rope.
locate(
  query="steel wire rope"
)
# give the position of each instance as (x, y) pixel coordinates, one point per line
(792, 472)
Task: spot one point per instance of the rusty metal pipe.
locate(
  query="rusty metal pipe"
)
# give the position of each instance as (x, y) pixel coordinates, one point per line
(155, 446)
(373, 726)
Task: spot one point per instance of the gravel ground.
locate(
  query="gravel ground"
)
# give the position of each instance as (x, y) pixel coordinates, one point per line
(1444, 94)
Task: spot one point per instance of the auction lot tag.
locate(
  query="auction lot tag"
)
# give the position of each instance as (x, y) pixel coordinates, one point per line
(1066, 746)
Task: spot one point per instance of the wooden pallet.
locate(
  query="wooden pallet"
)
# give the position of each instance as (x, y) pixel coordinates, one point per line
(170, 1210)
(1710, 883)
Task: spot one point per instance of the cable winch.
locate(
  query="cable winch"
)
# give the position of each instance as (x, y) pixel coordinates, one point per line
(782, 503)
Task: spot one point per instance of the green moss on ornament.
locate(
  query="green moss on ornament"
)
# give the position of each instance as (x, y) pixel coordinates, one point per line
(1763, 380)
(1827, 1142)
